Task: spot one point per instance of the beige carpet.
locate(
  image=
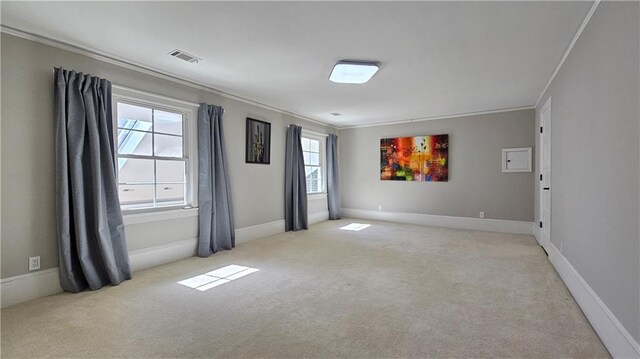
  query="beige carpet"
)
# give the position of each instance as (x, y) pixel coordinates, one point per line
(388, 291)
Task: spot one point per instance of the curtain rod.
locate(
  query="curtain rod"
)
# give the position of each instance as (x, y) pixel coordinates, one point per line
(125, 88)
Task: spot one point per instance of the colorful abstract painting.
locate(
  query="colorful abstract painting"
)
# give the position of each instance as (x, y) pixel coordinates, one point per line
(420, 158)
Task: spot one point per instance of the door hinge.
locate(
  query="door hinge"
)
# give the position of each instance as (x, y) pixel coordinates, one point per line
(540, 177)
(540, 224)
(540, 129)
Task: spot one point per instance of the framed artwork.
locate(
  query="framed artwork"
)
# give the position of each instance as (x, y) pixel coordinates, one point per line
(258, 142)
(419, 158)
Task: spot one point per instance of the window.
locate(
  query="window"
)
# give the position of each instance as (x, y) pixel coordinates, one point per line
(313, 152)
(154, 168)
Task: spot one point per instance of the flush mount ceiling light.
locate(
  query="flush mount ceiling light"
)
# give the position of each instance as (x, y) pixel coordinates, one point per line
(353, 72)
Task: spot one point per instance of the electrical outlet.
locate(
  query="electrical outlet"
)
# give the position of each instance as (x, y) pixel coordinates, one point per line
(481, 214)
(34, 263)
(379, 207)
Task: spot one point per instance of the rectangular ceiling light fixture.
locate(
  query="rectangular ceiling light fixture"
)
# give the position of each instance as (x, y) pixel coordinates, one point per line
(353, 72)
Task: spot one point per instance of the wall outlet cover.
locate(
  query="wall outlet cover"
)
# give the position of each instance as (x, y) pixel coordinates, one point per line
(481, 214)
(34, 263)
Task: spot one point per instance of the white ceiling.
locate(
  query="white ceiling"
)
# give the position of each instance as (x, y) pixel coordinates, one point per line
(438, 58)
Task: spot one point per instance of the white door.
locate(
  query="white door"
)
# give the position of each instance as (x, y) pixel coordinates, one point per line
(545, 171)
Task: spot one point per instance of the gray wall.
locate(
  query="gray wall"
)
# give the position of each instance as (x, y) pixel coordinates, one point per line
(28, 159)
(476, 182)
(595, 117)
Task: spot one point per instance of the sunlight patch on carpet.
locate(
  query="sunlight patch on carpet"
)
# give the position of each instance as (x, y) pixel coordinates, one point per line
(355, 227)
(217, 277)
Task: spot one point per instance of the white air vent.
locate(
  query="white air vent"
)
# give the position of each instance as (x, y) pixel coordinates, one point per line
(184, 56)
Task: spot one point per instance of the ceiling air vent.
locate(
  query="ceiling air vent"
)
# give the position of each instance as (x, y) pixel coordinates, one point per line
(184, 56)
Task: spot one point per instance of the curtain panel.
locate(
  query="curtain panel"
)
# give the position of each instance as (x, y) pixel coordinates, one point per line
(215, 216)
(295, 185)
(333, 181)
(90, 230)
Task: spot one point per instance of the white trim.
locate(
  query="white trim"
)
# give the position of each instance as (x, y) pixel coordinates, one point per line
(569, 48)
(158, 216)
(322, 141)
(152, 99)
(189, 134)
(133, 92)
(491, 225)
(487, 112)
(535, 230)
(613, 334)
(316, 196)
(22, 288)
(25, 287)
(247, 234)
(162, 254)
(27, 275)
(546, 132)
(119, 61)
(310, 133)
(317, 217)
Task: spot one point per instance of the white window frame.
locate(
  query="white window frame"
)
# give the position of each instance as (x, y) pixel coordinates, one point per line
(322, 138)
(189, 113)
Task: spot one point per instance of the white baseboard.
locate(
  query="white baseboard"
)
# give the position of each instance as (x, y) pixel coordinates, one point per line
(613, 334)
(535, 230)
(318, 217)
(490, 225)
(22, 288)
(268, 229)
(158, 255)
(25, 287)
(259, 231)
(43, 283)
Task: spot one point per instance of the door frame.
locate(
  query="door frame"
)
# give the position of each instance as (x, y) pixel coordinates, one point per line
(544, 131)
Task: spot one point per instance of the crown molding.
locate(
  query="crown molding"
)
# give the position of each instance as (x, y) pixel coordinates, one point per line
(569, 48)
(422, 119)
(122, 62)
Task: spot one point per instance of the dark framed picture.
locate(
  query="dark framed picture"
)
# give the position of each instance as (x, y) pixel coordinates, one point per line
(258, 143)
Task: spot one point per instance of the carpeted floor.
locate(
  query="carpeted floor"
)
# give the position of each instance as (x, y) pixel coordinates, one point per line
(388, 291)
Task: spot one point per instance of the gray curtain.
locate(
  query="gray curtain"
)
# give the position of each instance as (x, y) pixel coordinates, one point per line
(91, 241)
(215, 222)
(295, 182)
(333, 182)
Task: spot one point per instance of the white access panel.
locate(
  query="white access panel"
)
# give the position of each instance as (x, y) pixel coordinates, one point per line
(516, 159)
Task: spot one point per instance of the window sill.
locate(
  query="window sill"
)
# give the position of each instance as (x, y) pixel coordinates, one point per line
(157, 215)
(316, 196)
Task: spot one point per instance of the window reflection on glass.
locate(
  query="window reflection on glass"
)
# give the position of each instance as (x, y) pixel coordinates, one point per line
(132, 142)
(167, 122)
(169, 194)
(151, 162)
(134, 116)
(167, 146)
(133, 196)
(313, 166)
